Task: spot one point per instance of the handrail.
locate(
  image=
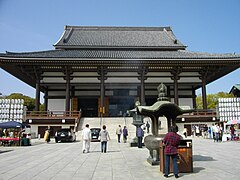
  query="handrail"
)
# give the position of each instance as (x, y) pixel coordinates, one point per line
(205, 112)
(201, 112)
(47, 114)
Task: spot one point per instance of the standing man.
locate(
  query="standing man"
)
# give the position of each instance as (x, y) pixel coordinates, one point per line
(212, 132)
(140, 135)
(171, 141)
(86, 138)
(119, 132)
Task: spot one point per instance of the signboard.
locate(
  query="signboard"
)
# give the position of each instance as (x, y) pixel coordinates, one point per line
(11, 110)
(229, 109)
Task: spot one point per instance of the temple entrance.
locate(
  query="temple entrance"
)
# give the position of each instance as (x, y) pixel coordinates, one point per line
(89, 106)
(118, 106)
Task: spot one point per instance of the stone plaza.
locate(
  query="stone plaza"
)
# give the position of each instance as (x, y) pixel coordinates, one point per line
(66, 161)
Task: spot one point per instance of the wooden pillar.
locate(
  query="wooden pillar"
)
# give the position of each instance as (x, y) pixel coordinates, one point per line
(204, 73)
(102, 89)
(142, 72)
(194, 98)
(67, 107)
(204, 93)
(46, 100)
(102, 72)
(67, 71)
(175, 72)
(176, 90)
(37, 95)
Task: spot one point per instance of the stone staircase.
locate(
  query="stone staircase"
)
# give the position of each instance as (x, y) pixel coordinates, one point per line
(111, 124)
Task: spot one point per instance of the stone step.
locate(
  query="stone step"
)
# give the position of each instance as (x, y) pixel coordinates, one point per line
(111, 124)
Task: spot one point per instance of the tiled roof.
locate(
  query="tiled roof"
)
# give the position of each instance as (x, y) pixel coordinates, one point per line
(237, 86)
(119, 54)
(235, 89)
(117, 37)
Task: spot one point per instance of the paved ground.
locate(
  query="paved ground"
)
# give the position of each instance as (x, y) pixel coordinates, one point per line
(66, 161)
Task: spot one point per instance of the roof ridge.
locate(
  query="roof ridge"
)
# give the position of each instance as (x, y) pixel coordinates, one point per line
(32, 52)
(119, 28)
(210, 53)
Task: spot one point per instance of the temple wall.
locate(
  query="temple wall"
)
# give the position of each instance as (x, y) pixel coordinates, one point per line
(56, 104)
(185, 102)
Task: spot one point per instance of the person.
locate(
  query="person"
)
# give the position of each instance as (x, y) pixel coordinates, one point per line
(104, 138)
(86, 138)
(216, 132)
(11, 134)
(47, 135)
(197, 131)
(171, 142)
(220, 132)
(140, 135)
(125, 134)
(119, 132)
(213, 133)
(6, 133)
(148, 126)
(185, 132)
(193, 131)
(232, 132)
(209, 133)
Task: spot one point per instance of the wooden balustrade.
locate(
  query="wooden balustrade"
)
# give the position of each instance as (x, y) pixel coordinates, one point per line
(205, 112)
(52, 114)
(200, 112)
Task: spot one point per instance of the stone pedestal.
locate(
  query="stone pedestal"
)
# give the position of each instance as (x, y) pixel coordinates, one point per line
(152, 144)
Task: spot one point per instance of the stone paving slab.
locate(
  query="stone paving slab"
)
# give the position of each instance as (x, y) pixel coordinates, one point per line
(58, 161)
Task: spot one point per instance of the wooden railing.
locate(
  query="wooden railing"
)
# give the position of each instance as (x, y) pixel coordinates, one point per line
(208, 112)
(201, 112)
(53, 114)
(77, 114)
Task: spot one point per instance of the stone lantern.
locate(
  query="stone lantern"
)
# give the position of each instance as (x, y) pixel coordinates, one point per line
(137, 121)
(161, 108)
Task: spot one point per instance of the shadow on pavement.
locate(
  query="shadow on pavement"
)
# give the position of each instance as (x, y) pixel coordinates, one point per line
(202, 158)
(94, 151)
(197, 169)
(4, 151)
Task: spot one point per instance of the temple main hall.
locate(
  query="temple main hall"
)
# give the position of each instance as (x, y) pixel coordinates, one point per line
(103, 70)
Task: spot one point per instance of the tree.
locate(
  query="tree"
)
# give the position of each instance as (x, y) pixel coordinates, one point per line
(212, 100)
(28, 101)
(42, 107)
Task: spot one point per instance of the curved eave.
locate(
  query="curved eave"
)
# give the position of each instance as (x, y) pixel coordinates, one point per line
(59, 40)
(166, 61)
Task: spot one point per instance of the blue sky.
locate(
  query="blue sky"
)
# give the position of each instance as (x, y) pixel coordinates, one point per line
(204, 26)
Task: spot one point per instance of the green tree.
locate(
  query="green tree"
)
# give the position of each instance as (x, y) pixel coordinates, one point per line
(42, 107)
(212, 100)
(28, 101)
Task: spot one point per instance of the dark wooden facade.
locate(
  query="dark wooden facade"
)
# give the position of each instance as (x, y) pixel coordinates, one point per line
(104, 70)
